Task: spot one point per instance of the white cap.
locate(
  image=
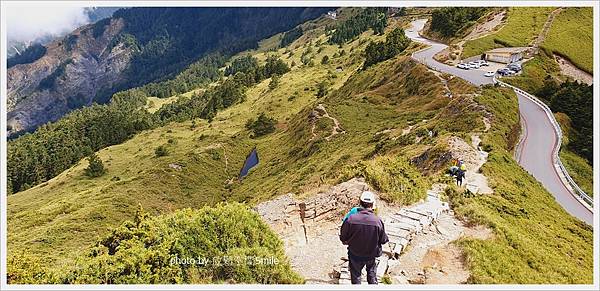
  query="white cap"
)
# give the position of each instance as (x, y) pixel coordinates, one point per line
(367, 197)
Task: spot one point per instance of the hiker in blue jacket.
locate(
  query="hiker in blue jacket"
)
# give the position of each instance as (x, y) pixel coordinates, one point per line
(363, 232)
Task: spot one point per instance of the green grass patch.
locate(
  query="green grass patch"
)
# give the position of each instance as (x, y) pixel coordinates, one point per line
(572, 36)
(579, 169)
(223, 243)
(395, 177)
(523, 25)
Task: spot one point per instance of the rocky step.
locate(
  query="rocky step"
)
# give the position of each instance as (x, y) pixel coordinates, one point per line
(400, 227)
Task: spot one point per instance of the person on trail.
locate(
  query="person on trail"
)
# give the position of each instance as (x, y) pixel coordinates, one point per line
(363, 232)
(354, 210)
(460, 175)
(453, 170)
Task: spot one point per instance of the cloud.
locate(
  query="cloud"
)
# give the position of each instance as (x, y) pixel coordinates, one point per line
(29, 21)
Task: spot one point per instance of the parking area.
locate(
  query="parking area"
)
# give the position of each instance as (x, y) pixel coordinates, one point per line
(483, 69)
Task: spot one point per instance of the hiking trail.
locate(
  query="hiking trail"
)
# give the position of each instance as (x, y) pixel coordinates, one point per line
(320, 112)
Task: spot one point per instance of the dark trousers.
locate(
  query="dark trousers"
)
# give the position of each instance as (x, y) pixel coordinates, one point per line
(356, 266)
(459, 181)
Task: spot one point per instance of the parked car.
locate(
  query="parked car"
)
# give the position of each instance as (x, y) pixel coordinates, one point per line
(489, 74)
(474, 65)
(504, 72)
(463, 66)
(483, 63)
(514, 67)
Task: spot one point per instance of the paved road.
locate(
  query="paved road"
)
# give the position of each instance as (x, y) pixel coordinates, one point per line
(540, 139)
(536, 157)
(425, 56)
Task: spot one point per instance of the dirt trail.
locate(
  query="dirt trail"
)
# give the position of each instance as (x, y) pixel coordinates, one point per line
(320, 112)
(473, 157)
(315, 255)
(444, 82)
(433, 258)
(480, 30)
(570, 70)
(546, 28)
(483, 29)
(421, 236)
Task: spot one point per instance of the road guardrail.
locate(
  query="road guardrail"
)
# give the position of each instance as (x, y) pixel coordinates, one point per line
(563, 173)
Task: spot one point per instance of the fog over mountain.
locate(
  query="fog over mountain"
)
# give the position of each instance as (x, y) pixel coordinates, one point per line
(43, 23)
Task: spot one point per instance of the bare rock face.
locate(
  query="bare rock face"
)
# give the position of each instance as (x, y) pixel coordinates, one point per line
(81, 65)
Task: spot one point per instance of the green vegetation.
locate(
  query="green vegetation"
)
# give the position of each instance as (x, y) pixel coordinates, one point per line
(452, 21)
(199, 73)
(274, 82)
(95, 167)
(247, 64)
(366, 18)
(523, 25)
(395, 177)
(29, 55)
(168, 40)
(225, 243)
(322, 89)
(38, 157)
(579, 168)
(290, 36)
(292, 160)
(49, 81)
(395, 43)
(53, 148)
(261, 126)
(560, 250)
(161, 151)
(576, 100)
(571, 36)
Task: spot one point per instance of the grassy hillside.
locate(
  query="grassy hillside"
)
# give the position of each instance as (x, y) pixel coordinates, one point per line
(572, 36)
(61, 218)
(523, 25)
(535, 241)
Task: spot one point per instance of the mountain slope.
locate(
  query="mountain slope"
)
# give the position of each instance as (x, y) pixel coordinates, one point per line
(208, 155)
(133, 47)
(333, 118)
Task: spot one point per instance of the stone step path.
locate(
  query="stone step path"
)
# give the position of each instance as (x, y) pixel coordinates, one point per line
(401, 227)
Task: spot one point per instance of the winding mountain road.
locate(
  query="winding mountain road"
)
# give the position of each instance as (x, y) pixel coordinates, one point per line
(540, 139)
(425, 56)
(537, 149)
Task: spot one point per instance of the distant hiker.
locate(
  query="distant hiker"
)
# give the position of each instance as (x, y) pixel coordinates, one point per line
(363, 232)
(460, 175)
(453, 171)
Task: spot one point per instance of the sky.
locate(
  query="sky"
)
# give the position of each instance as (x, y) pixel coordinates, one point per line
(27, 21)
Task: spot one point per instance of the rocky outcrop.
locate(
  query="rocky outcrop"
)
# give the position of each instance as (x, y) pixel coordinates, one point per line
(72, 71)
